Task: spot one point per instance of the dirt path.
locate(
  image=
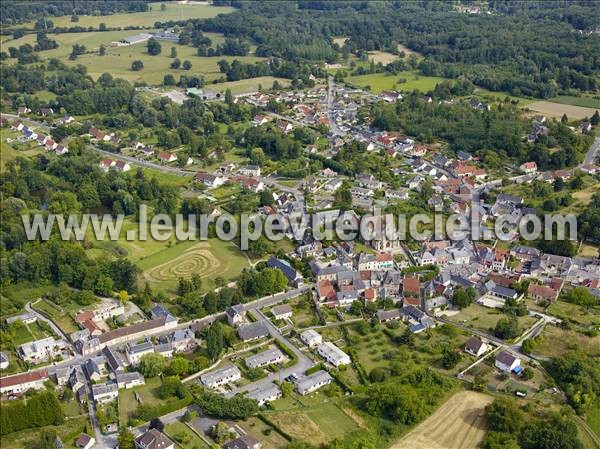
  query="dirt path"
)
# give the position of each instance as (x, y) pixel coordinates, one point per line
(458, 424)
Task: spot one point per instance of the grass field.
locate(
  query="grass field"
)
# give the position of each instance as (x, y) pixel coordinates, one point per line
(317, 424)
(457, 424)
(586, 102)
(248, 85)
(173, 11)
(62, 316)
(588, 250)
(586, 316)
(485, 318)
(209, 259)
(269, 438)
(555, 342)
(118, 60)
(177, 430)
(382, 81)
(552, 109)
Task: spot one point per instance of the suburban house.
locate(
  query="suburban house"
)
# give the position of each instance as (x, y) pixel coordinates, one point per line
(253, 331)
(244, 442)
(250, 170)
(209, 180)
(129, 380)
(282, 312)
(542, 293)
(4, 363)
(25, 318)
(333, 354)
(271, 356)
(268, 393)
(20, 383)
(107, 392)
(294, 277)
(507, 362)
(135, 351)
(153, 439)
(528, 167)
(475, 347)
(167, 157)
(40, 350)
(311, 338)
(383, 316)
(221, 376)
(85, 441)
(235, 315)
(313, 382)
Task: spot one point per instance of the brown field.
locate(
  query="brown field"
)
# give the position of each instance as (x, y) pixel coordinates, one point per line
(557, 110)
(588, 250)
(340, 40)
(382, 56)
(458, 424)
(300, 426)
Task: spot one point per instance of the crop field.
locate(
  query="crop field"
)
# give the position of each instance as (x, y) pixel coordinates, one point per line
(457, 424)
(209, 259)
(173, 11)
(382, 81)
(552, 109)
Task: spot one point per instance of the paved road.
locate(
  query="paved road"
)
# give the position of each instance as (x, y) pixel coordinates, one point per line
(592, 153)
(303, 363)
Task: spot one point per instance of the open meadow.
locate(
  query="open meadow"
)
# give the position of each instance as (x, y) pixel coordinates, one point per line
(173, 11)
(457, 424)
(405, 81)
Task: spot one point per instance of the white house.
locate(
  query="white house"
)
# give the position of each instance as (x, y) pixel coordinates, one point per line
(282, 312)
(476, 347)
(507, 362)
(20, 383)
(313, 382)
(103, 393)
(311, 338)
(333, 354)
(220, 377)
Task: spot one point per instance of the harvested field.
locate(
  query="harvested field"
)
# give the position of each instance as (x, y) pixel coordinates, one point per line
(557, 110)
(458, 424)
(382, 56)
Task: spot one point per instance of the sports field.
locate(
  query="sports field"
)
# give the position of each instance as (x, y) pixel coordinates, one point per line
(173, 11)
(458, 424)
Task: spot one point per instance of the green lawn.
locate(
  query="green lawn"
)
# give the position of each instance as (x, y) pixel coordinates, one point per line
(586, 316)
(248, 85)
(173, 11)
(148, 394)
(186, 437)
(383, 81)
(485, 318)
(61, 315)
(331, 419)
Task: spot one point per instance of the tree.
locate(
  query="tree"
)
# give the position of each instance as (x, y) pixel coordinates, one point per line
(169, 80)
(595, 120)
(157, 424)
(176, 63)
(187, 65)
(228, 97)
(507, 328)
(286, 388)
(153, 46)
(102, 50)
(126, 438)
(173, 52)
(450, 359)
(214, 340)
(137, 65)
(503, 415)
(179, 366)
(151, 365)
(463, 297)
